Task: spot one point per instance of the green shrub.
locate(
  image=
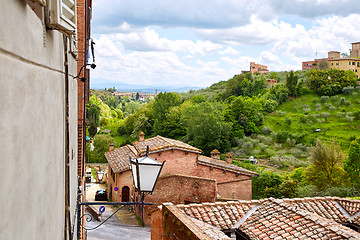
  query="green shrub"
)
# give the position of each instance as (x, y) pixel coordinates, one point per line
(266, 130)
(281, 136)
(347, 90)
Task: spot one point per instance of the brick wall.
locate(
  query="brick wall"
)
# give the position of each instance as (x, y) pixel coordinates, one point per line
(121, 180)
(171, 224)
(179, 189)
(180, 162)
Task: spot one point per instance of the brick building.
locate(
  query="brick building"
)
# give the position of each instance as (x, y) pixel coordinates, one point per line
(334, 60)
(299, 218)
(183, 161)
(271, 82)
(258, 68)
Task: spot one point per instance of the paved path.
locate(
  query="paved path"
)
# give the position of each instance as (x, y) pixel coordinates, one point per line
(112, 229)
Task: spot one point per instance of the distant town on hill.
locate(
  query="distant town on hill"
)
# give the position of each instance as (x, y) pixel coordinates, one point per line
(149, 90)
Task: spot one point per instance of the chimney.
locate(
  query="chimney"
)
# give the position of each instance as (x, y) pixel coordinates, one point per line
(215, 154)
(141, 136)
(111, 146)
(229, 158)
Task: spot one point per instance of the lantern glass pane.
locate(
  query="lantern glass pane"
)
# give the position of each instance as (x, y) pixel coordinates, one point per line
(148, 176)
(134, 173)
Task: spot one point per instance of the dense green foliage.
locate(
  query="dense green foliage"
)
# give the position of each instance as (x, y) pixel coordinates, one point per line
(332, 81)
(352, 164)
(280, 124)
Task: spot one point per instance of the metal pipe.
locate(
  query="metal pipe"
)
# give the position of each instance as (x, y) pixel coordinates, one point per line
(67, 147)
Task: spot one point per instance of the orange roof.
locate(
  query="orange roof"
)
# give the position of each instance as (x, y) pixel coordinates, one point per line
(211, 162)
(159, 143)
(119, 158)
(309, 218)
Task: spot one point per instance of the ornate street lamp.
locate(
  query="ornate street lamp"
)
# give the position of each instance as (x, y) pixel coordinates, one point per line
(146, 172)
(100, 176)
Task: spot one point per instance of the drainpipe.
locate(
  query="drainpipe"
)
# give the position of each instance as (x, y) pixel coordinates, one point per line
(67, 231)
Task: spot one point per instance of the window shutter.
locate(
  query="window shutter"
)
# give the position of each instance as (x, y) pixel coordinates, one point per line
(62, 15)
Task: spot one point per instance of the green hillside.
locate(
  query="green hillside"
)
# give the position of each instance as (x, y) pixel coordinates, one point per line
(337, 117)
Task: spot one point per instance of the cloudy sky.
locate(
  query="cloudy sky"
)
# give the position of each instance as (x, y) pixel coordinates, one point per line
(195, 43)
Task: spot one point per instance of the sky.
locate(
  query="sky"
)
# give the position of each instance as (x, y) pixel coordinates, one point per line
(195, 43)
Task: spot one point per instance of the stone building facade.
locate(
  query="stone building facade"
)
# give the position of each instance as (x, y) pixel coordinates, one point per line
(39, 118)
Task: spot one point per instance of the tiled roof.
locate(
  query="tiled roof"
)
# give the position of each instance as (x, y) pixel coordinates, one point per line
(220, 214)
(300, 218)
(159, 143)
(276, 219)
(214, 233)
(322, 206)
(119, 158)
(351, 206)
(211, 162)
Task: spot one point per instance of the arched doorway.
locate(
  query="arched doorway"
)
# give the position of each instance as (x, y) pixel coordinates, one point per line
(125, 194)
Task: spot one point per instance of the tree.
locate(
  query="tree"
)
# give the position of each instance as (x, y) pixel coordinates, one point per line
(323, 65)
(291, 83)
(326, 169)
(137, 96)
(101, 145)
(206, 127)
(92, 129)
(267, 185)
(162, 104)
(92, 114)
(325, 115)
(352, 163)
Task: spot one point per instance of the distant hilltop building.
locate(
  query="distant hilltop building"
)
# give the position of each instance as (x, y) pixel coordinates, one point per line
(271, 82)
(132, 95)
(336, 62)
(258, 68)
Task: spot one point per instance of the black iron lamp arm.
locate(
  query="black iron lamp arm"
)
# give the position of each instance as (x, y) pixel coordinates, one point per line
(92, 65)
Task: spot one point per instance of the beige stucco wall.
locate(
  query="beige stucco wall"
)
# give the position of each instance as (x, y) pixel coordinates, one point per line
(32, 126)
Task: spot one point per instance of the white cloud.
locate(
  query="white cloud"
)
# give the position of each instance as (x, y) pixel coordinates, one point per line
(150, 68)
(229, 51)
(146, 39)
(200, 13)
(219, 38)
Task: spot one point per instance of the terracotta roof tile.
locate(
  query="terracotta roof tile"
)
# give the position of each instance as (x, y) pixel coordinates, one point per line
(351, 206)
(305, 218)
(219, 214)
(224, 166)
(119, 158)
(159, 143)
(211, 231)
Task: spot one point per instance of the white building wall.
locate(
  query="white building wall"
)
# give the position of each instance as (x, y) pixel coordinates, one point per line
(32, 126)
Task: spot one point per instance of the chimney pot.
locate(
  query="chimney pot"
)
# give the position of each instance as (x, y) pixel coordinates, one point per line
(215, 154)
(111, 146)
(141, 136)
(229, 158)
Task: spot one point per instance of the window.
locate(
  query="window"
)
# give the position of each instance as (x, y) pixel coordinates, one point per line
(337, 64)
(349, 63)
(358, 64)
(353, 63)
(62, 15)
(332, 64)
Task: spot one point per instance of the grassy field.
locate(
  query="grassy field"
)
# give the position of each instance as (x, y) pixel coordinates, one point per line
(334, 116)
